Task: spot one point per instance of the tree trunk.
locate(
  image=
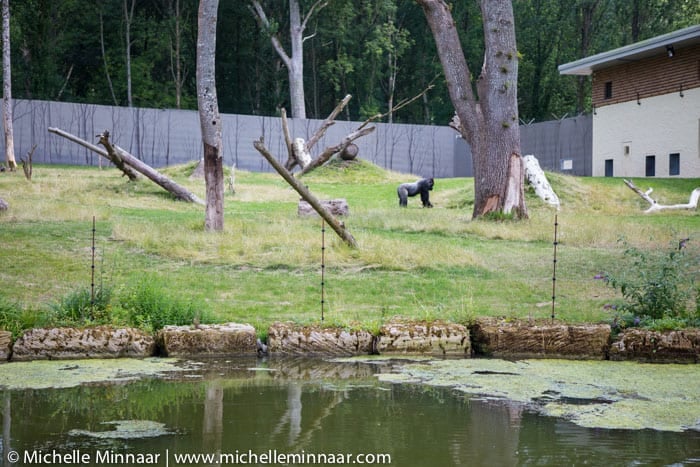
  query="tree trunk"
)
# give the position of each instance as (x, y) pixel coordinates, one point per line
(489, 125)
(296, 62)
(209, 117)
(128, 16)
(7, 88)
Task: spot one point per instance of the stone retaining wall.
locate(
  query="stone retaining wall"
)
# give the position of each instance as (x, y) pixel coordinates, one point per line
(72, 343)
(486, 337)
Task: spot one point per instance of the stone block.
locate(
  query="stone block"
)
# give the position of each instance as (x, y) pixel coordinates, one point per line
(207, 340)
(431, 338)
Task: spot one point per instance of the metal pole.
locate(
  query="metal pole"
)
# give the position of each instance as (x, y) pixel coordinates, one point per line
(323, 266)
(92, 280)
(554, 266)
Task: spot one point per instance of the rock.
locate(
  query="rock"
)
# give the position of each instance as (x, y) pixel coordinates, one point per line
(5, 345)
(207, 340)
(508, 339)
(292, 339)
(681, 346)
(435, 338)
(72, 343)
(337, 207)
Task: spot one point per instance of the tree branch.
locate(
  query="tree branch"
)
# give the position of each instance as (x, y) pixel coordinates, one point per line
(304, 192)
(655, 206)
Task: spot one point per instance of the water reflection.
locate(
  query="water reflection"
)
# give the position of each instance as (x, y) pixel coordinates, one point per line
(229, 407)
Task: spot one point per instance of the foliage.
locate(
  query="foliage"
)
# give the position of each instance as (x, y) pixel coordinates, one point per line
(147, 304)
(354, 47)
(15, 318)
(657, 284)
(80, 307)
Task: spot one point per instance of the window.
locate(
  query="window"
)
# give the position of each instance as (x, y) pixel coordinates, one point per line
(674, 164)
(650, 170)
(608, 167)
(567, 164)
(608, 90)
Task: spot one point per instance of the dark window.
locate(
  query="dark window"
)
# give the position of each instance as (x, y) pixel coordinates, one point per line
(674, 164)
(650, 170)
(608, 167)
(608, 90)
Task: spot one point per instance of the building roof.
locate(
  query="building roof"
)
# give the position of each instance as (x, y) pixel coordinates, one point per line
(633, 52)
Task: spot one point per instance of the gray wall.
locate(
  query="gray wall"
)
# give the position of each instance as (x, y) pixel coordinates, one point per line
(162, 137)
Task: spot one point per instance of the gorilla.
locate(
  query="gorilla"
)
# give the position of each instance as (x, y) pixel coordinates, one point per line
(422, 186)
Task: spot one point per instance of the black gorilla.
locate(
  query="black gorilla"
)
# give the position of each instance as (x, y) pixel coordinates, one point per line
(422, 186)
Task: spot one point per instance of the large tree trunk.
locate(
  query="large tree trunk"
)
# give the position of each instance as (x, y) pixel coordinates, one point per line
(489, 125)
(209, 117)
(7, 88)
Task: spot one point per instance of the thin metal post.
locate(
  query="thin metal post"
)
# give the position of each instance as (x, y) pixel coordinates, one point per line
(323, 266)
(554, 266)
(92, 279)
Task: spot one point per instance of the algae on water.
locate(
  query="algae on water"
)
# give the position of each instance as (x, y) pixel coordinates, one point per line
(126, 429)
(593, 394)
(42, 374)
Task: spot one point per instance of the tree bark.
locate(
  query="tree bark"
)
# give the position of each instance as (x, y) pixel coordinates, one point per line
(489, 124)
(7, 88)
(209, 117)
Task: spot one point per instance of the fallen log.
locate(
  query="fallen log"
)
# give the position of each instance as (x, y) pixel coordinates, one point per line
(126, 170)
(655, 206)
(130, 162)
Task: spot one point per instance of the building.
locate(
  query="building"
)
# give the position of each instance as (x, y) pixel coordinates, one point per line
(646, 106)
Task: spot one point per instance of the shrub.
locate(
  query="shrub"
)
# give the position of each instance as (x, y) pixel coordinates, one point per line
(148, 305)
(15, 318)
(657, 284)
(79, 308)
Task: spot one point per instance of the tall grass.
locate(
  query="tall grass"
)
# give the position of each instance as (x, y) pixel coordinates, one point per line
(265, 266)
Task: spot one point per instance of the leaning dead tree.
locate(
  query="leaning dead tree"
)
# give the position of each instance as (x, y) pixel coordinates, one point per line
(299, 151)
(304, 192)
(130, 165)
(655, 206)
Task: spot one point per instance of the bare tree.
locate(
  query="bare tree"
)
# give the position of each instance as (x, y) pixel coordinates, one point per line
(7, 88)
(295, 61)
(488, 121)
(209, 117)
(128, 19)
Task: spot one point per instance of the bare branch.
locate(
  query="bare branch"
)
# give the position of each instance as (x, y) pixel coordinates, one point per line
(320, 4)
(262, 17)
(327, 122)
(655, 206)
(304, 192)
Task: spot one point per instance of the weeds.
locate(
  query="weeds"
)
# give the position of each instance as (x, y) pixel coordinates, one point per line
(659, 287)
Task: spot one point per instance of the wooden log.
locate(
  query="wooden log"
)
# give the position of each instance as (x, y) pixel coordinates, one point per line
(304, 192)
(655, 206)
(158, 178)
(128, 171)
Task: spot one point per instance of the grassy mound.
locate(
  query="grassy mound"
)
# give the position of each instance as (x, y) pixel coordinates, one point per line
(265, 266)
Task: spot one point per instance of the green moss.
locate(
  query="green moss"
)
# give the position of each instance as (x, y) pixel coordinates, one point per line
(594, 394)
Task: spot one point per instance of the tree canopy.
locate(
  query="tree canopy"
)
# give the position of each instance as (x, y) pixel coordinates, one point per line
(378, 51)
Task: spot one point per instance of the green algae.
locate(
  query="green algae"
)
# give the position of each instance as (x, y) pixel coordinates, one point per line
(592, 394)
(126, 429)
(44, 374)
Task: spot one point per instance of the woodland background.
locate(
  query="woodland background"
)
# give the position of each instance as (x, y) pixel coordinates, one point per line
(376, 50)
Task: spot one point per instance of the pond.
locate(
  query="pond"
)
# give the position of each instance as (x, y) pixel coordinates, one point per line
(283, 411)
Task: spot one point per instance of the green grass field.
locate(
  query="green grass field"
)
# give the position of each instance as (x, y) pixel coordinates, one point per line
(266, 265)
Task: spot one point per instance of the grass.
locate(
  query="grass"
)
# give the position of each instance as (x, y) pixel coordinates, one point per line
(265, 266)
